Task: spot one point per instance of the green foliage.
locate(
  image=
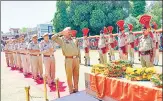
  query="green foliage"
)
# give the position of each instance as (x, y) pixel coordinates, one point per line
(134, 21)
(23, 30)
(138, 7)
(156, 12)
(92, 14)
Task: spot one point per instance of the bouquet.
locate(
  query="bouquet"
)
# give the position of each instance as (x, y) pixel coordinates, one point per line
(139, 74)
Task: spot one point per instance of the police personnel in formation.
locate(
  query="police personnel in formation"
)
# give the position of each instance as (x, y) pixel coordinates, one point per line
(6, 50)
(111, 40)
(131, 40)
(15, 48)
(47, 50)
(11, 58)
(86, 46)
(19, 62)
(36, 59)
(122, 38)
(157, 43)
(146, 44)
(102, 48)
(24, 57)
(71, 53)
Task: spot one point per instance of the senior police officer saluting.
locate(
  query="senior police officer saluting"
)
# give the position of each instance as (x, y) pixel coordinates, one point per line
(36, 60)
(146, 43)
(71, 53)
(47, 50)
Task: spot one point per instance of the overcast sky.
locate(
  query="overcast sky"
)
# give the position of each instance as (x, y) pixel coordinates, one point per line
(18, 14)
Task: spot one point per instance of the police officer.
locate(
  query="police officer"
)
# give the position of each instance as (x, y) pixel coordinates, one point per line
(19, 62)
(122, 38)
(102, 48)
(6, 52)
(131, 40)
(71, 53)
(24, 57)
(47, 50)
(156, 44)
(146, 43)
(86, 46)
(36, 59)
(10, 51)
(15, 45)
(111, 41)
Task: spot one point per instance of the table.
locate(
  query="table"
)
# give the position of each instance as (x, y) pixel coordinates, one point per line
(121, 89)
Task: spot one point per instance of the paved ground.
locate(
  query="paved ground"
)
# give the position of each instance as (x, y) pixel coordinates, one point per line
(13, 82)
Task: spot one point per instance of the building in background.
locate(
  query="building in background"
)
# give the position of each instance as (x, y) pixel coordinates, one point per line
(44, 28)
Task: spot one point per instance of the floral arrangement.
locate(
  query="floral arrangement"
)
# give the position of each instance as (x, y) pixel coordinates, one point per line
(113, 69)
(156, 79)
(140, 74)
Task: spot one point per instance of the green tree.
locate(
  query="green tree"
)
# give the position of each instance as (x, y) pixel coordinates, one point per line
(156, 12)
(92, 14)
(60, 20)
(138, 7)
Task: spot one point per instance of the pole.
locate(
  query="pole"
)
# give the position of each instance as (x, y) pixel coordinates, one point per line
(57, 88)
(27, 93)
(45, 89)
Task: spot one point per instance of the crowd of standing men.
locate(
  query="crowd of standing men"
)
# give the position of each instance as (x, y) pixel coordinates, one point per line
(29, 57)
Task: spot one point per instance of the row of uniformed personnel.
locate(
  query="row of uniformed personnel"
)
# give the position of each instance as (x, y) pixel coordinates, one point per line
(29, 57)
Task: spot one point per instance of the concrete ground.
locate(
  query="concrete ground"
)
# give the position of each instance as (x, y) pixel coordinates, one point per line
(13, 82)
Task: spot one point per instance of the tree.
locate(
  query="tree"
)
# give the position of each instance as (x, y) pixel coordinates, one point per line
(60, 20)
(97, 21)
(156, 12)
(138, 8)
(92, 14)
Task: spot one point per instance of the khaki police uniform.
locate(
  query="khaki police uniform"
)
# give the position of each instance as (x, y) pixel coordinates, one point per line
(102, 49)
(11, 58)
(72, 54)
(36, 59)
(19, 62)
(15, 53)
(131, 40)
(6, 53)
(47, 50)
(145, 50)
(25, 58)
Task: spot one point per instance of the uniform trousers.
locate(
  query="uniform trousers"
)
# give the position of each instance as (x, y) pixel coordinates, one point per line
(11, 59)
(103, 58)
(25, 63)
(36, 65)
(7, 58)
(19, 62)
(145, 61)
(72, 72)
(49, 63)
